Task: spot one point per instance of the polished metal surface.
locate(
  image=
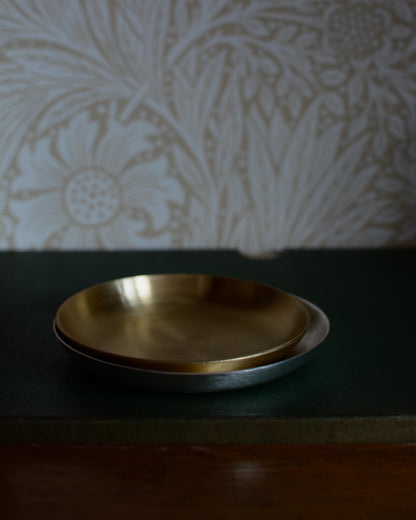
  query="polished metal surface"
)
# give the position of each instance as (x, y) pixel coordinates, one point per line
(199, 382)
(184, 322)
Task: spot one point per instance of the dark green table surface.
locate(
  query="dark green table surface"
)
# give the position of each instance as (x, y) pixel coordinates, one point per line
(360, 386)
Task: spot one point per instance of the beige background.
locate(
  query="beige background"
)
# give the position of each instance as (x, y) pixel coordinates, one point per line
(256, 125)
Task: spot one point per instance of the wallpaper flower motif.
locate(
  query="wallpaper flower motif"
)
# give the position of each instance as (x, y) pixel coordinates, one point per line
(207, 123)
(85, 190)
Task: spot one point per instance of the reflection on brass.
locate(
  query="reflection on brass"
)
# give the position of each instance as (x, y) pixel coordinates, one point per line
(184, 322)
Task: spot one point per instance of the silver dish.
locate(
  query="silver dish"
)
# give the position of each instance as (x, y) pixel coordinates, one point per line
(200, 382)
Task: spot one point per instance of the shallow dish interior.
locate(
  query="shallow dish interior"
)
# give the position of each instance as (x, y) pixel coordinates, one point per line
(184, 322)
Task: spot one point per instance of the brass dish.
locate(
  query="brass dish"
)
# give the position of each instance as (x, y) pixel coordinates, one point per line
(183, 322)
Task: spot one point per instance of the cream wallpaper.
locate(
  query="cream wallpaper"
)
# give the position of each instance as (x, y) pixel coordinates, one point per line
(248, 124)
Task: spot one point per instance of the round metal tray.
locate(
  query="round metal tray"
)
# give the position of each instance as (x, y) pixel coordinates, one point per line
(183, 322)
(199, 382)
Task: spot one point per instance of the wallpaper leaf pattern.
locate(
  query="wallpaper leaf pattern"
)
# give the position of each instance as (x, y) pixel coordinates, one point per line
(250, 124)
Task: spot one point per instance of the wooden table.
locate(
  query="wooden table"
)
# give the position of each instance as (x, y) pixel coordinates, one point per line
(336, 439)
(197, 482)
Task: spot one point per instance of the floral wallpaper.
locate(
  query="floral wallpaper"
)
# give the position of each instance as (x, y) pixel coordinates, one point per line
(249, 124)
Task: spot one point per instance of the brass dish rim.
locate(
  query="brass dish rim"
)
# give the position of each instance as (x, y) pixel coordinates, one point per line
(263, 357)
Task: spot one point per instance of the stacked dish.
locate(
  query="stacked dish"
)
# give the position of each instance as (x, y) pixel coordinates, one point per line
(189, 332)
